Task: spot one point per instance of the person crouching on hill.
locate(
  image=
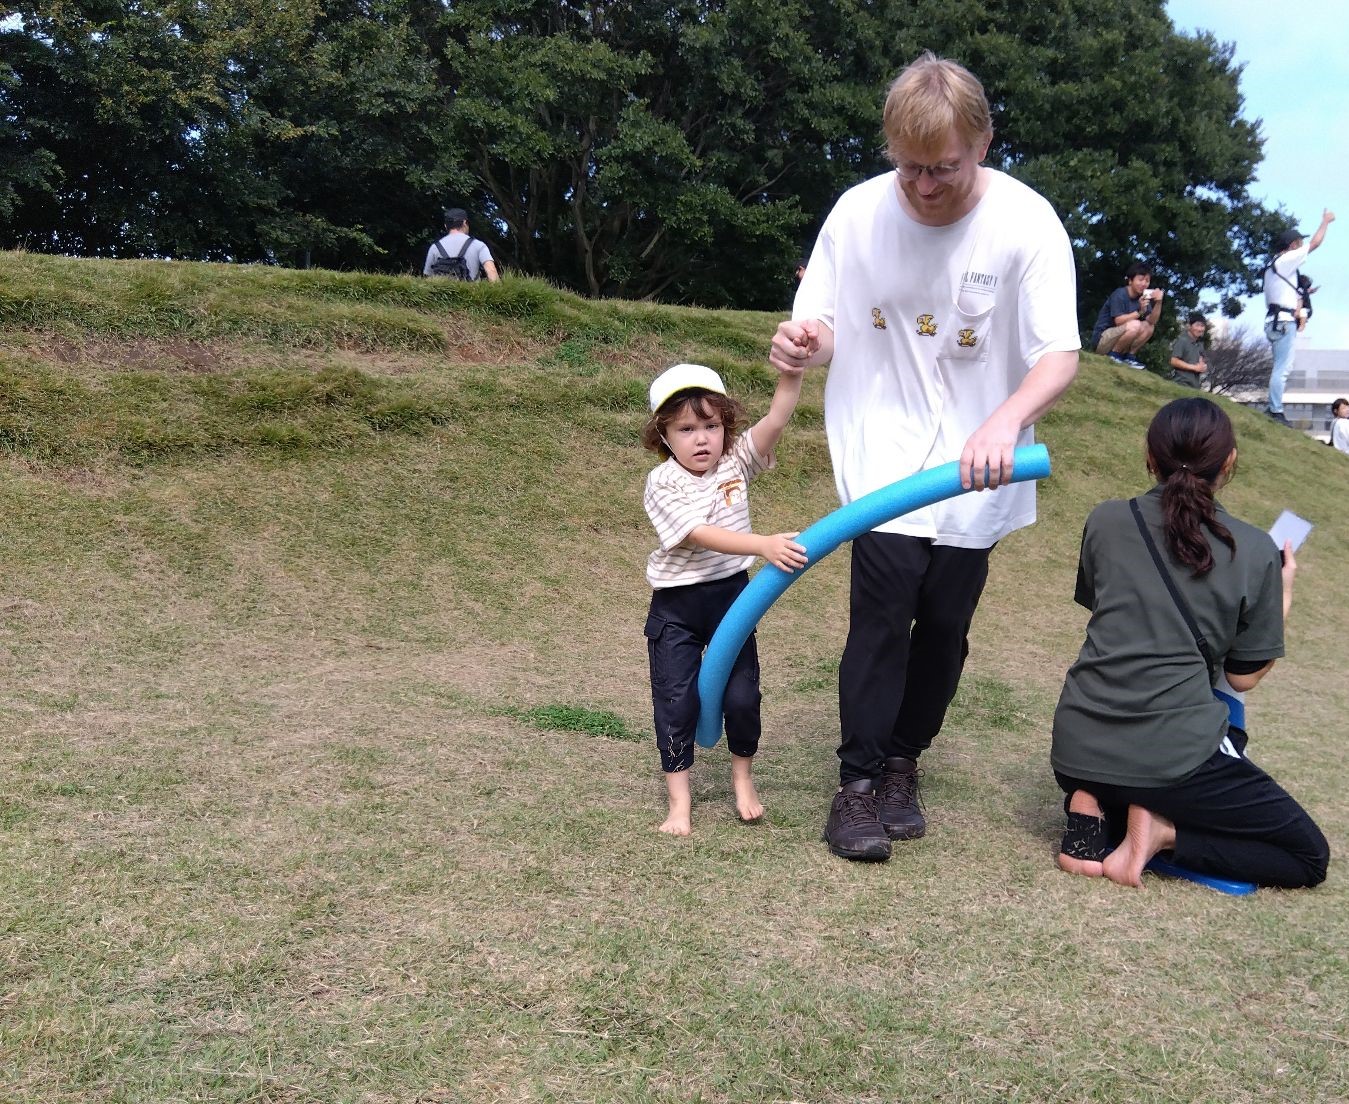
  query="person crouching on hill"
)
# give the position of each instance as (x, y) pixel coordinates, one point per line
(698, 500)
(1146, 753)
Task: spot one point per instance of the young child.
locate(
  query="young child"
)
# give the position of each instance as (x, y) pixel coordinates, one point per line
(699, 503)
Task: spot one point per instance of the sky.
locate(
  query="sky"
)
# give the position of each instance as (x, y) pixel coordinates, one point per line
(1295, 81)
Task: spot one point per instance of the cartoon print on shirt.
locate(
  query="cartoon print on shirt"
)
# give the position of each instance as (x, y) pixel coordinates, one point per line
(877, 318)
(966, 339)
(926, 327)
(732, 491)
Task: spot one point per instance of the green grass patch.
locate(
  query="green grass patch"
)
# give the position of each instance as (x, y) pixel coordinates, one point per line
(146, 417)
(578, 718)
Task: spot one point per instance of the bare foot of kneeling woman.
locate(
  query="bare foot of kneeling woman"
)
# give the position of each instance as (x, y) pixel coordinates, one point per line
(1083, 836)
(1147, 834)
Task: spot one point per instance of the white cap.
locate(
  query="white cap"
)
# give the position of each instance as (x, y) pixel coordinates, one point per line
(683, 377)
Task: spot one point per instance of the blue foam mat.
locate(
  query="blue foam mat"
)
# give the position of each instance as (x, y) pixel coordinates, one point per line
(1159, 865)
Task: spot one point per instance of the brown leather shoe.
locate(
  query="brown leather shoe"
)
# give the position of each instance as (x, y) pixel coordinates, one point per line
(900, 809)
(853, 830)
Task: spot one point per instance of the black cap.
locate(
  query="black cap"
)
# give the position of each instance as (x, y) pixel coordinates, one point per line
(455, 215)
(1286, 239)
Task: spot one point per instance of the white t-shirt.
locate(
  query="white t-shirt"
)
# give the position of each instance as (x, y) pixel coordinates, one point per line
(934, 327)
(476, 254)
(1339, 434)
(677, 501)
(1281, 279)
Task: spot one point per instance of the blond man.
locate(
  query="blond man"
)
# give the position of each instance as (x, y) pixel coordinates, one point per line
(941, 295)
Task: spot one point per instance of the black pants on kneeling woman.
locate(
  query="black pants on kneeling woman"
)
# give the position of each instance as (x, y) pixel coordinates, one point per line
(1232, 821)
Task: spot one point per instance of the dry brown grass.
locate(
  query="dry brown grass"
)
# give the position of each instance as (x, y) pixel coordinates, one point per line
(278, 826)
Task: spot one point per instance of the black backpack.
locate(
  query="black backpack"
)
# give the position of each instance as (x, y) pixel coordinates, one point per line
(456, 268)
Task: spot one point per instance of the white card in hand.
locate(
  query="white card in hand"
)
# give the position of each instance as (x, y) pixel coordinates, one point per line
(1289, 527)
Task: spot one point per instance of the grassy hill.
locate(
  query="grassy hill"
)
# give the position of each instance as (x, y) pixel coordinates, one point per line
(325, 757)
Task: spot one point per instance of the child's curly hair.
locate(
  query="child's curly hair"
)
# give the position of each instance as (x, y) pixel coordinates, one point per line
(704, 404)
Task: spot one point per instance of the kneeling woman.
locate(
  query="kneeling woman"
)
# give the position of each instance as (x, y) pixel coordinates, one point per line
(1142, 748)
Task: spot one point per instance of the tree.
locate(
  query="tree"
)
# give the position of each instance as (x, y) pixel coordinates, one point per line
(683, 150)
(100, 101)
(1239, 363)
(632, 148)
(231, 130)
(675, 149)
(26, 168)
(328, 145)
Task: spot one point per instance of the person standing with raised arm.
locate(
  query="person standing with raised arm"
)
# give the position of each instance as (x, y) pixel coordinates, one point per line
(943, 297)
(1283, 300)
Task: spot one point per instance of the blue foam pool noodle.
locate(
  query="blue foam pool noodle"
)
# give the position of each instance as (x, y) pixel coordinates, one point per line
(899, 498)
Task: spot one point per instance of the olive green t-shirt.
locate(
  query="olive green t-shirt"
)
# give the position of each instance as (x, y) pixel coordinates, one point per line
(1137, 708)
(1189, 350)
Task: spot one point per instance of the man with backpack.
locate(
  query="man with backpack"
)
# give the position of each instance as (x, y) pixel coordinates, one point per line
(457, 255)
(1283, 301)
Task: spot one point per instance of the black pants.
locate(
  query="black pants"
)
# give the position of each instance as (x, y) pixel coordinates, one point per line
(1232, 821)
(678, 629)
(911, 607)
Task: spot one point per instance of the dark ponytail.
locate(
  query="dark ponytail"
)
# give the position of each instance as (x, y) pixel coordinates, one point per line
(1189, 440)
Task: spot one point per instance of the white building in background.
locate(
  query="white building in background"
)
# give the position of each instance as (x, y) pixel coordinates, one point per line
(1318, 378)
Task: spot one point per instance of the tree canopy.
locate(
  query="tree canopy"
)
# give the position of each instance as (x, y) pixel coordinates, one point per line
(684, 150)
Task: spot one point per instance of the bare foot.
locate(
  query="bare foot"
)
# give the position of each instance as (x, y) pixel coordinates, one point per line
(1085, 803)
(1087, 868)
(747, 802)
(680, 820)
(677, 824)
(1146, 835)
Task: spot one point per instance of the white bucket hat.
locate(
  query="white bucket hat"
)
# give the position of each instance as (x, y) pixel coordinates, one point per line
(684, 377)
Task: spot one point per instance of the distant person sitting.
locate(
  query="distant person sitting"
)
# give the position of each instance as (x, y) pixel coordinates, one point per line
(1187, 352)
(457, 255)
(800, 270)
(1339, 428)
(1128, 318)
(1283, 300)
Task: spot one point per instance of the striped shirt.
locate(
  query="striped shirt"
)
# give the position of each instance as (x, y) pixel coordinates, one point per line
(677, 501)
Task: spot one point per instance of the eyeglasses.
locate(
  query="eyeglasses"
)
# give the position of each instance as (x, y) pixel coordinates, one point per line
(943, 174)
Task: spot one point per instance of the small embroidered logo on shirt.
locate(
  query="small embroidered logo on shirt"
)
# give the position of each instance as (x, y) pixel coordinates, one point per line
(877, 318)
(926, 327)
(732, 491)
(966, 339)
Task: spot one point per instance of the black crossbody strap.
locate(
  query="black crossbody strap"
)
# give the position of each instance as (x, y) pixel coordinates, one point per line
(1181, 604)
(1274, 308)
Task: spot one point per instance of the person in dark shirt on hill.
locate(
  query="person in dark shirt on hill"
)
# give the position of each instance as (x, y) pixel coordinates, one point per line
(1128, 317)
(1187, 352)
